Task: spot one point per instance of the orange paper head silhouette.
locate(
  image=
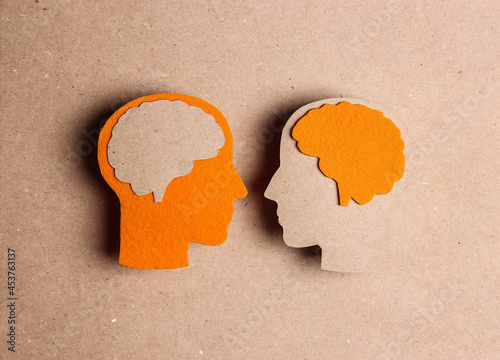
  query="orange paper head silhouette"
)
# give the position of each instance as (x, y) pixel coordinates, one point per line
(170, 163)
(331, 151)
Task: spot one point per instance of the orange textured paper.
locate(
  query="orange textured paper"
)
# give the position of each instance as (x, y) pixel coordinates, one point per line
(358, 147)
(197, 207)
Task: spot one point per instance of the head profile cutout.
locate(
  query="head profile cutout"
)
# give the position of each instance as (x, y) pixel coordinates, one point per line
(168, 157)
(331, 151)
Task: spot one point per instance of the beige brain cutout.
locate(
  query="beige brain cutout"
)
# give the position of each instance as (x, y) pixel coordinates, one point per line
(158, 141)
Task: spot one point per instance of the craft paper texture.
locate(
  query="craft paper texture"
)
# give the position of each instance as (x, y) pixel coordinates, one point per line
(309, 211)
(155, 231)
(432, 292)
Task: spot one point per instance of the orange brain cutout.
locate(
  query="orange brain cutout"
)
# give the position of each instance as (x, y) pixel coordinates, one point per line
(196, 207)
(358, 147)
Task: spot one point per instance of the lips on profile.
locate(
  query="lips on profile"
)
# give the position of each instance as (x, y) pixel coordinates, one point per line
(281, 218)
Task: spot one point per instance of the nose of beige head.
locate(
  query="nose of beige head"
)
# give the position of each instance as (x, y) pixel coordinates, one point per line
(271, 192)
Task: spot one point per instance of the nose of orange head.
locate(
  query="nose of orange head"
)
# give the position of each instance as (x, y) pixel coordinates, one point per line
(238, 188)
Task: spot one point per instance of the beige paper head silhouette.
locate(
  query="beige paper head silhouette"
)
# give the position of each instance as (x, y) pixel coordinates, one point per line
(309, 207)
(168, 157)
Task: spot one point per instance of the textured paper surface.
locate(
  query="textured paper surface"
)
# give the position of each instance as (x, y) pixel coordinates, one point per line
(66, 67)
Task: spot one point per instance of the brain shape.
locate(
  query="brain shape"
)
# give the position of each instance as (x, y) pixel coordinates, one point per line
(158, 141)
(358, 147)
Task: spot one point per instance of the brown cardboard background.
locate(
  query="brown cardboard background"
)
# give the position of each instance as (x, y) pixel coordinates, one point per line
(66, 66)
